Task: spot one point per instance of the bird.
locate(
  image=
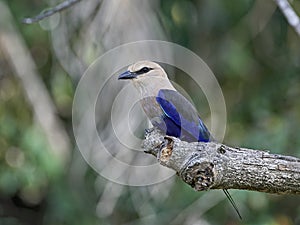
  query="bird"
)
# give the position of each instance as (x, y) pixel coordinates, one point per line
(167, 109)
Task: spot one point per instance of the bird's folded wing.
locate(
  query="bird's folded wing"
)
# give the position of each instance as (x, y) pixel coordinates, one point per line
(181, 112)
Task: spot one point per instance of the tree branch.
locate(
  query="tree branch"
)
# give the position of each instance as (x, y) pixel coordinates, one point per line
(289, 13)
(49, 12)
(217, 166)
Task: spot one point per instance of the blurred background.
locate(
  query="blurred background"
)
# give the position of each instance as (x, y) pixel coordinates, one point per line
(249, 46)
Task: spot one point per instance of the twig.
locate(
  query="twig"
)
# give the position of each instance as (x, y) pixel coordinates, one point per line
(217, 166)
(49, 12)
(290, 14)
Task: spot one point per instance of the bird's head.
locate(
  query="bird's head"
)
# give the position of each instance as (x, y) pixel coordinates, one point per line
(148, 77)
(143, 70)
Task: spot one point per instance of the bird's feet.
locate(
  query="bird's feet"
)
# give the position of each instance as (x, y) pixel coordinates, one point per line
(149, 130)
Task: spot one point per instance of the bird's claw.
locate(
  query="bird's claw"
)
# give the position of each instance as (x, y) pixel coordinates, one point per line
(149, 130)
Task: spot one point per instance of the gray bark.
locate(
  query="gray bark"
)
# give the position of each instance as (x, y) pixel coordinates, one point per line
(217, 166)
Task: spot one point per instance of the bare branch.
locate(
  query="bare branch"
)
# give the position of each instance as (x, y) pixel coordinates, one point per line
(49, 12)
(290, 14)
(217, 166)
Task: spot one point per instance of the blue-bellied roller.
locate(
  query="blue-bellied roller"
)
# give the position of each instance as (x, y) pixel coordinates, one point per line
(167, 109)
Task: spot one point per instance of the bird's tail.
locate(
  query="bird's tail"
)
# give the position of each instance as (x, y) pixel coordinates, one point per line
(232, 202)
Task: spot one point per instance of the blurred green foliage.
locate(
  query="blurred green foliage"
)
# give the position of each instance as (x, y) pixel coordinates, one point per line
(259, 72)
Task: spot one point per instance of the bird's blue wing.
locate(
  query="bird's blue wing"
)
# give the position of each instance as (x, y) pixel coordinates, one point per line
(180, 117)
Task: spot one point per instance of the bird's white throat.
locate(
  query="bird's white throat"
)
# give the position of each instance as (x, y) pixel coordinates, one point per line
(150, 86)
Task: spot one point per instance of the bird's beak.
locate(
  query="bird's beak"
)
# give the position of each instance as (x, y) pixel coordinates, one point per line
(127, 75)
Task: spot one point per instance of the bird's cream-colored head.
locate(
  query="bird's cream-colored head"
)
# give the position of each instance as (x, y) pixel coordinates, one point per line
(148, 77)
(147, 69)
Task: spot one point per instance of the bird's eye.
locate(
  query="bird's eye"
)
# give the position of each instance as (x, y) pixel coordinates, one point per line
(144, 70)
